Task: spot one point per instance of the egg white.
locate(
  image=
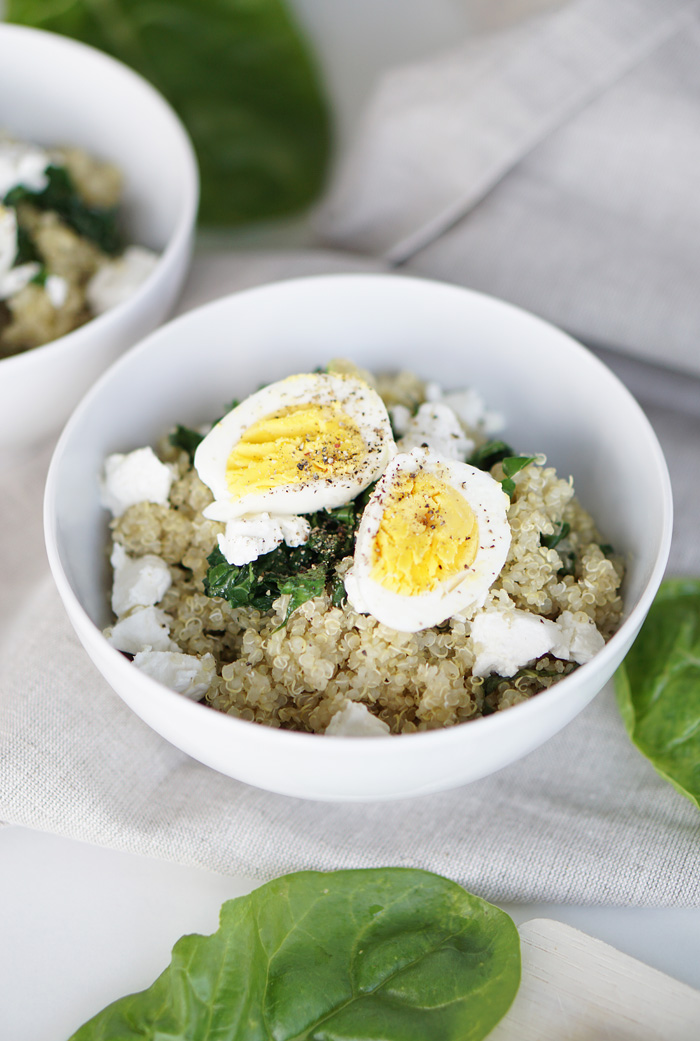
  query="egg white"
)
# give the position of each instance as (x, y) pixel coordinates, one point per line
(465, 590)
(355, 397)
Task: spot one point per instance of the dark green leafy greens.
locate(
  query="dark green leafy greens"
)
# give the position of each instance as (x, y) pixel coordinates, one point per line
(512, 465)
(302, 572)
(98, 224)
(392, 953)
(491, 452)
(185, 438)
(241, 78)
(658, 686)
(562, 529)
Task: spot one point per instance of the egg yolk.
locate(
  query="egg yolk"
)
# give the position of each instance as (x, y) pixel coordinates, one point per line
(427, 534)
(296, 445)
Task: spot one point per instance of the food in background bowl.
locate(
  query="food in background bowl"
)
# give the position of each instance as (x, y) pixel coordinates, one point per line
(55, 90)
(354, 555)
(63, 257)
(555, 397)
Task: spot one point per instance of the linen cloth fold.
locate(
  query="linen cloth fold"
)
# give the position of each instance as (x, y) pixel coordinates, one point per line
(554, 164)
(584, 819)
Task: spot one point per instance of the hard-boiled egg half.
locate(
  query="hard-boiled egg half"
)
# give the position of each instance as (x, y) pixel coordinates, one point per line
(432, 540)
(308, 442)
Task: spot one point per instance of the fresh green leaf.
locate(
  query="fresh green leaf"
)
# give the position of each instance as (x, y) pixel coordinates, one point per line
(658, 686)
(240, 76)
(186, 439)
(513, 464)
(491, 452)
(561, 530)
(96, 223)
(388, 954)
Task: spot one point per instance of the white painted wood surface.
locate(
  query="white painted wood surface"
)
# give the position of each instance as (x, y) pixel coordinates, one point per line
(577, 988)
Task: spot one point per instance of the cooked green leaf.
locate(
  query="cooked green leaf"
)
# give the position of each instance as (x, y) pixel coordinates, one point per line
(658, 686)
(490, 453)
(96, 223)
(302, 587)
(388, 954)
(561, 530)
(185, 438)
(513, 464)
(241, 78)
(303, 572)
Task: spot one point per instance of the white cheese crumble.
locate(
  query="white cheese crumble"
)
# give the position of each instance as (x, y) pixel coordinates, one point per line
(118, 279)
(56, 290)
(352, 591)
(579, 639)
(437, 427)
(248, 537)
(355, 720)
(138, 581)
(505, 641)
(146, 629)
(184, 673)
(469, 407)
(137, 477)
(24, 164)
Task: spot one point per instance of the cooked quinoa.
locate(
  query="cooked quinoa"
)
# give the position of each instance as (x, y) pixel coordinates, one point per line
(59, 243)
(300, 674)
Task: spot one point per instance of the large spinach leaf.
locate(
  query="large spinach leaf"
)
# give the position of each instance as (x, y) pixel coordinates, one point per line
(393, 953)
(241, 78)
(658, 686)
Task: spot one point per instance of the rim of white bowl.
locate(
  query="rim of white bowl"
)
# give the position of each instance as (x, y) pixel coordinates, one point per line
(189, 170)
(385, 744)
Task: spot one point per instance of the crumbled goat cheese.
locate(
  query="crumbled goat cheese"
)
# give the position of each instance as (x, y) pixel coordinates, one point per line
(184, 673)
(246, 538)
(146, 629)
(118, 279)
(505, 641)
(469, 407)
(137, 477)
(355, 720)
(436, 426)
(579, 639)
(138, 581)
(23, 164)
(56, 290)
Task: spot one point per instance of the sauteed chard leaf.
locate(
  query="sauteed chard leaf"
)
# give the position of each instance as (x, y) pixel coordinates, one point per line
(391, 953)
(658, 686)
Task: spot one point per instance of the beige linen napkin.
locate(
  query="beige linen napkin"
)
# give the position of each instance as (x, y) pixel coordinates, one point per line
(554, 164)
(584, 819)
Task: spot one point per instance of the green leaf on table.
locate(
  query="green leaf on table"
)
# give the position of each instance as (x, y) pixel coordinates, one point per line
(240, 76)
(658, 686)
(394, 954)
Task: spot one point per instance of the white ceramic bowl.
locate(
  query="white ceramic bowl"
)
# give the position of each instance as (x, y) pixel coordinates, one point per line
(557, 397)
(55, 91)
